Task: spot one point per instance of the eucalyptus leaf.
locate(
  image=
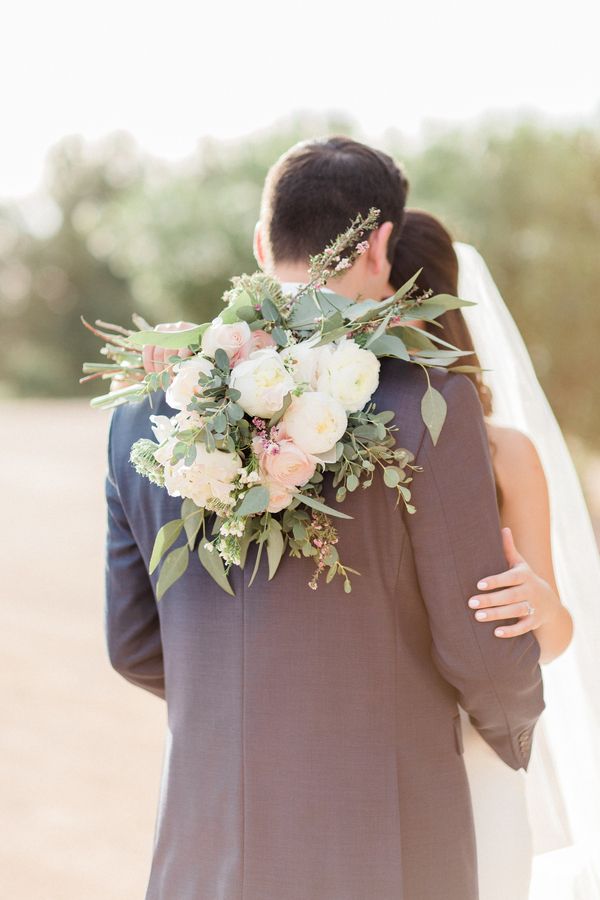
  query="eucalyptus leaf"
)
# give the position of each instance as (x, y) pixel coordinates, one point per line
(245, 543)
(321, 507)
(391, 476)
(192, 516)
(352, 482)
(234, 412)
(364, 309)
(279, 336)
(389, 345)
(303, 311)
(259, 551)
(413, 337)
(275, 546)
(329, 302)
(165, 538)
(190, 455)
(213, 564)
(385, 417)
(433, 411)
(448, 301)
(433, 307)
(269, 310)
(175, 564)
(333, 335)
(380, 330)
(173, 340)
(255, 501)
(221, 359)
(247, 314)
(407, 286)
(444, 354)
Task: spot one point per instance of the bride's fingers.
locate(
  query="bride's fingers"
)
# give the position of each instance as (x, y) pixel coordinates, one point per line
(501, 598)
(511, 577)
(521, 627)
(520, 610)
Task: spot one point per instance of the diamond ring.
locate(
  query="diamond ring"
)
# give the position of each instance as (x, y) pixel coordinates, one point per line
(530, 609)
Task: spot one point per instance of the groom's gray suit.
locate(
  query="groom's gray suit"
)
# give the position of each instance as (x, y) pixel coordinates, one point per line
(314, 744)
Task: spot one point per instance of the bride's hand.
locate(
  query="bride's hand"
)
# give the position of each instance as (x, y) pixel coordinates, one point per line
(156, 359)
(523, 595)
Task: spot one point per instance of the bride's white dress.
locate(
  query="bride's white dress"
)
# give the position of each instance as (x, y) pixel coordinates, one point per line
(538, 833)
(504, 838)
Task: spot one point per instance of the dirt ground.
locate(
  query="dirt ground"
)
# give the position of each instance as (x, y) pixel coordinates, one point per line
(80, 748)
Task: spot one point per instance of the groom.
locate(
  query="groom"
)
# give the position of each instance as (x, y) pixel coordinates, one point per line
(314, 744)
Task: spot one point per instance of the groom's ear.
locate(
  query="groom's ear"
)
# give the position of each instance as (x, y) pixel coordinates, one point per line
(258, 245)
(378, 246)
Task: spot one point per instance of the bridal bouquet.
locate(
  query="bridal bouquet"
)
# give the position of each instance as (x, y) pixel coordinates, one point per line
(277, 392)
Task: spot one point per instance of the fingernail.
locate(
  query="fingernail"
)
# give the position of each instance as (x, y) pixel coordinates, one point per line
(482, 585)
(473, 602)
(481, 615)
(499, 632)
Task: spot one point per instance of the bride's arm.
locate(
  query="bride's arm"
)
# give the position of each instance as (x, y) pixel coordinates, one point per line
(530, 579)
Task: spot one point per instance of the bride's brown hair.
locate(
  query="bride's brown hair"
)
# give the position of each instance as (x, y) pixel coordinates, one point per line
(425, 243)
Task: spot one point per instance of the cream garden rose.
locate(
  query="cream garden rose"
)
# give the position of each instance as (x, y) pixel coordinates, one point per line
(315, 421)
(306, 362)
(185, 383)
(350, 374)
(263, 383)
(209, 477)
(230, 338)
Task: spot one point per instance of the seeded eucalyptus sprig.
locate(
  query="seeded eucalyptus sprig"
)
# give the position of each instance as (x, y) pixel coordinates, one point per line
(368, 445)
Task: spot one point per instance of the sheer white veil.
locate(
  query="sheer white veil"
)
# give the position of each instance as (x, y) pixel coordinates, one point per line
(563, 781)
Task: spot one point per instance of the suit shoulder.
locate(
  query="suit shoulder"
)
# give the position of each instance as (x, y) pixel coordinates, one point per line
(408, 380)
(129, 422)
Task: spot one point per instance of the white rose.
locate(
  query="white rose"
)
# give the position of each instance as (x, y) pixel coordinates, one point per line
(230, 338)
(306, 362)
(210, 476)
(185, 383)
(350, 374)
(263, 383)
(161, 427)
(315, 421)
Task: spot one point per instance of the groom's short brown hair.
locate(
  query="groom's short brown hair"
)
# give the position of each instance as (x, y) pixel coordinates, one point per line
(317, 187)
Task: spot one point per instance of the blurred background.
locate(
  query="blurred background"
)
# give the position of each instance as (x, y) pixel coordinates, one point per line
(136, 138)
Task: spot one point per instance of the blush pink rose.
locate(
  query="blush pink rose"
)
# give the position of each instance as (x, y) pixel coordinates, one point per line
(279, 496)
(259, 339)
(281, 460)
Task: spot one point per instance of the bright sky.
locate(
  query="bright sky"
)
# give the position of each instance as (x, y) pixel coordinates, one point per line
(170, 72)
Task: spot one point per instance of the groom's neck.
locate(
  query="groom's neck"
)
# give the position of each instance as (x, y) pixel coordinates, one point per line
(344, 285)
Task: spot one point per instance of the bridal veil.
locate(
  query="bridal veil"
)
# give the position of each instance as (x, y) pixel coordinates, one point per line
(563, 779)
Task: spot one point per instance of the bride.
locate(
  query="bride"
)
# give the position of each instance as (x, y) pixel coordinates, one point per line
(538, 834)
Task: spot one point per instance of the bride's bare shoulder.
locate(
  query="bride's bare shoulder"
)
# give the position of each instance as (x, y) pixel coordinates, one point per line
(516, 461)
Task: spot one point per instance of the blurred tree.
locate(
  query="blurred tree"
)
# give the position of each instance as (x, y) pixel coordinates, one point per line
(529, 199)
(119, 232)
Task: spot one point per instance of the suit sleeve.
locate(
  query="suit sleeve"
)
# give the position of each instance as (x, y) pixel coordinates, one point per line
(456, 539)
(131, 621)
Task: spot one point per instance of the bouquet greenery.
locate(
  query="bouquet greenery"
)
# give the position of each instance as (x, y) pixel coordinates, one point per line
(277, 392)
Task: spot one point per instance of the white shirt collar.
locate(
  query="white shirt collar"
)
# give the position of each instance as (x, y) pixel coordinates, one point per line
(288, 287)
